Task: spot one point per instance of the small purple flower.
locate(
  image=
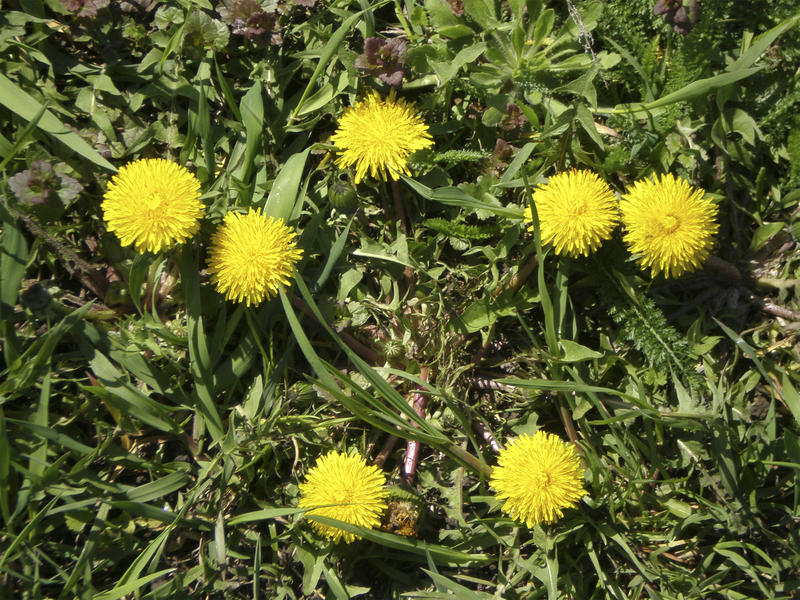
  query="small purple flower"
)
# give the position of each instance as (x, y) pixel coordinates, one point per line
(457, 6)
(514, 119)
(384, 59)
(84, 8)
(44, 191)
(682, 17)
(498, 159)
(250, 19)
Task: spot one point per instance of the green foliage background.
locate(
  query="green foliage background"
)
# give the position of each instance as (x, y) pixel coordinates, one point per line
(152, 436)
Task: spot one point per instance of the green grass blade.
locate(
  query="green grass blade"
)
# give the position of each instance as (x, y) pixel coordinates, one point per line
(37, 462)
(155, 547)
(701, 87)
(26, 133)
(27, 107)
(13, 259)
(159, 488)
(227, 91)
(302, 341)
(327, 53)
(199, 355)
(5, 469)
(126, 396)
(35, 361)
(442, 555)
(550, 335)
(569, 386)
(79, 569)
(257, 569)
(132, 586)
(333, 256)
(457, 589)
(25, 534)
(48, 433)
(791, 397)
(264, 514)
(453, 196)
(762, 42)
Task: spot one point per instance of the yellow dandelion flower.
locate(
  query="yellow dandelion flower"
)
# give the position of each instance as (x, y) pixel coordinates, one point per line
(152, 203)
(251, 256)
(345, 488)
(538, 476)
(669, 224)
(379, 135)
(577, 212)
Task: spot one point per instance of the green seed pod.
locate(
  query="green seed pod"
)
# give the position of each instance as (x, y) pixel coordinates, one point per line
(343, 196)
(393, 348)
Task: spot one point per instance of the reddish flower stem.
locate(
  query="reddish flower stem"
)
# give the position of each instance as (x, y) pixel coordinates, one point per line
(418, 402)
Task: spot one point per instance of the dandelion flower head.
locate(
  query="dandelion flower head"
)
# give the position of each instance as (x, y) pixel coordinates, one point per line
(378, 135)
(345, 488)
(669, 224)
(577, 211)
(152, 203)
(538, 476)
(251, 256)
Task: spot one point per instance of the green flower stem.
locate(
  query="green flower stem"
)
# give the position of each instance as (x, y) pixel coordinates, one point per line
(468, 459)
(399, 211)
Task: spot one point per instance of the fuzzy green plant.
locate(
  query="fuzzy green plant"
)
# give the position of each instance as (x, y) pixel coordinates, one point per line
(643, 324)
(462, 231)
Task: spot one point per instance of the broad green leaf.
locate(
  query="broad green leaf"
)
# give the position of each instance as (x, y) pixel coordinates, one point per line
(544, 25)
(584, 117)
(252, 110)
(445, 71)
(444, 22)
(482, 12)
(583, 86)
(317, 100)
(283, 196)
(484, 312)
(574, 352)
(764, 233)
